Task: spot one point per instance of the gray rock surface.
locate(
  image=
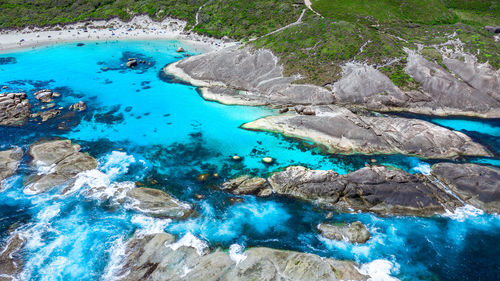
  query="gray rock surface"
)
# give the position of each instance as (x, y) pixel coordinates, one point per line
(10, 259)
(355, 232)
(158, 203)
(9, 161)
(246, 76)
(152, 258)
(79, 106)
(46, 95)
(57, 162)
(341, 131)
(475, 184)
(14, 109)
(248, 185)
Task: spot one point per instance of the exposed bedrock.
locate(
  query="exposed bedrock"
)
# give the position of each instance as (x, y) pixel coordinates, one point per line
(57, 162)
(158, 203)
(10, 258)
(383, 190)
(9, 161)
(243, 75)
(246, 76)
(475, 184)
(14, 109)
(341, 131)
(157, 257)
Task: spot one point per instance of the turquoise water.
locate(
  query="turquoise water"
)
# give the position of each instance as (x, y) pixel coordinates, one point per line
(142, 127)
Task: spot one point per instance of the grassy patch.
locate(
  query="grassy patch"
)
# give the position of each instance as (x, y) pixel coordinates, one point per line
(399, 77)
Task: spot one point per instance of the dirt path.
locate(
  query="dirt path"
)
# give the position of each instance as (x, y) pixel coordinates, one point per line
(309, 6)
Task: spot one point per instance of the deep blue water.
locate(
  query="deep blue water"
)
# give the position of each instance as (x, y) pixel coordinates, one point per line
(143, 127)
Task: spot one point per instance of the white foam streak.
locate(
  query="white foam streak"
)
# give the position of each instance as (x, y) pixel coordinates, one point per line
(189, 240)
(236, 253)
(149, 225)
(462, 213)
(117, 254)
(380, 270)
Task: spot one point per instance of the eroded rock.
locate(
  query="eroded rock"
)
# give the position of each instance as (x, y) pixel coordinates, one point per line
(14, 109)
(158, 203)
(9, 161)
(10, 260)
(46, 95)
(355, 232)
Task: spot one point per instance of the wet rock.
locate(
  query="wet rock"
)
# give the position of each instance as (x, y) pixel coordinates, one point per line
(158, 203)
(158, 257)
(48, 114)
(11, 262)
(180, 50)
(14, 109)
(246, 76)
(475, 184)
(79, 106)
(283, 110)
(46, 95)
(355, 232)
(339, 130)
(202, 177)
(236, 158)
(267, 160)
(57, 162)
(131, 63)
(9, 161)
(247, 185)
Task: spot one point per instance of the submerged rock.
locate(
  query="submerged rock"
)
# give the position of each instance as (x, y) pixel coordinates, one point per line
(158, 257)
(475, 184)
(57, 162)
(341, 131)
(14, 109)
(79, 106)
(158, 203)
(355, 232)
(9, 161)
(48, 114)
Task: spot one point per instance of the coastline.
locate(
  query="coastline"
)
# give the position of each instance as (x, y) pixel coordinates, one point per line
(138, 28)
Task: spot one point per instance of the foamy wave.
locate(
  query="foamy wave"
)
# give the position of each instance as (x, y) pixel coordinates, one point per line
(116, 163)
(189, 240)
(380, 270)
(236, 253)
(462, 213)
(44, 169)
(421, 167)
(117, 253)
(149, 225)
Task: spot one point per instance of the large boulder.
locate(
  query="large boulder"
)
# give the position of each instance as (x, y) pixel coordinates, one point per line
(355, 232)
(158, 203)
(475, 184)
(14, 109)
(248, 185)
(9, 161)
(158, 257)
(339, 130)
(46, 95)
(10, 258)
(57, 162)
(246, 76)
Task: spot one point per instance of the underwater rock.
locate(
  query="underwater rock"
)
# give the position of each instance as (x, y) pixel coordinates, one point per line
(10, 259)
(14, 109)
(355, 232)
(158, 203)
(158, 257)
(247, 76)
(79, 106)
(46, 95)
(341, 131)
(57, 162)
(475, 184)
(48, 114)
(9, 161)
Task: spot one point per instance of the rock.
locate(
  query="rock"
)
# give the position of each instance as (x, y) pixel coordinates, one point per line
(236, 158)
(246, 76)
(202, 177)
(339, 130)
(283, 110)
(180, 50)
(492, 29)
(45, 95)
(158, 203)
(475, 184)
(9, 161)
(131, 63)
(247, 185)
(49, 114)
(158, 257)
(14, 109)
(355, 232)
(79, 106)
(10, 258)
(371, 189)
(308, 111)
(267, 160)
(57, 162)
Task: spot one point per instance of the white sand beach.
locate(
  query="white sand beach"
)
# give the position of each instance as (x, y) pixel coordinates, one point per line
(139, 28)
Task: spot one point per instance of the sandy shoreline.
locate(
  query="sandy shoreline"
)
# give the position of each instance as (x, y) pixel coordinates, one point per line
(139, 28)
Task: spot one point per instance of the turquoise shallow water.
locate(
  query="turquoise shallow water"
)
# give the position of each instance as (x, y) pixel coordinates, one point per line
(143, 127)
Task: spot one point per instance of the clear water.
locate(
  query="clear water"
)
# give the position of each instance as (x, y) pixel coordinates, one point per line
(142, 127)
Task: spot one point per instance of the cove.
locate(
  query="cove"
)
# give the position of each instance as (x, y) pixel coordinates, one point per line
(144, 129)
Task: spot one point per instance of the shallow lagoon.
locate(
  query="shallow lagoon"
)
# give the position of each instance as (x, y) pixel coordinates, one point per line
(142, 127)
